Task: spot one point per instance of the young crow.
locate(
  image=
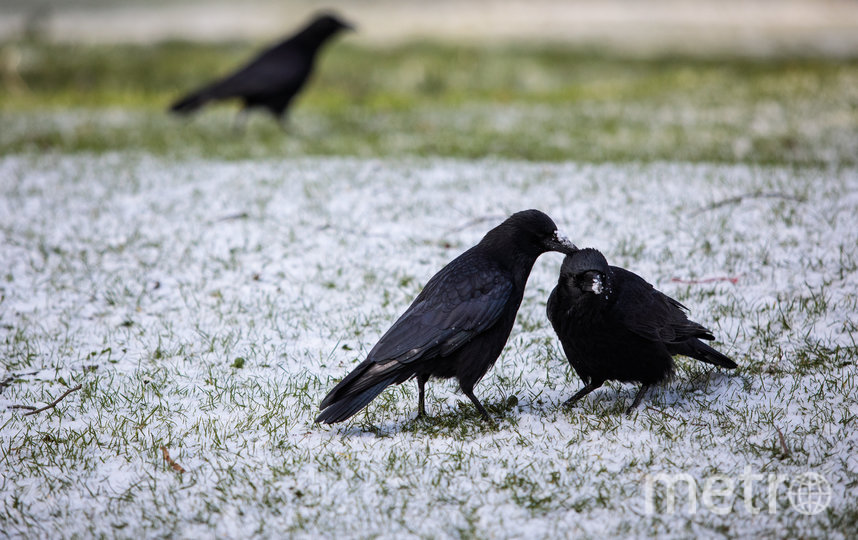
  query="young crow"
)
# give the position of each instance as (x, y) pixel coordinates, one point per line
(613, 325)
(460, 321)
(274, 77)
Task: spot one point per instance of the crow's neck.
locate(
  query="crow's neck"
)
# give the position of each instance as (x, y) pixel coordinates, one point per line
(517, 262)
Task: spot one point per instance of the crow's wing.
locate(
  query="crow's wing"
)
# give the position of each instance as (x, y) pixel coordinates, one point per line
(466, 297)
(650, 313)
(270, 72)
(459, 302)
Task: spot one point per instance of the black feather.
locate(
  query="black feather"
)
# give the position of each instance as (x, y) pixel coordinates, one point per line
(459, 323)
(613, 325)
(274, 77)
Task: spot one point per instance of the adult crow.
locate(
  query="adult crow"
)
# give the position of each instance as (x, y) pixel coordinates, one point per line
(458, 324)
(274, 77)
(613, 325)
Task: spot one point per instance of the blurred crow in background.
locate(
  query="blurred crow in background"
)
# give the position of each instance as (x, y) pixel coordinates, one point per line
(274, 77)
(459, 323)
(613, 325)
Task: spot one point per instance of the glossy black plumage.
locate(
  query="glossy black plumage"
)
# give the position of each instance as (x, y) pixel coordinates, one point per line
(459, 323)
(613, 325)
(274, 77)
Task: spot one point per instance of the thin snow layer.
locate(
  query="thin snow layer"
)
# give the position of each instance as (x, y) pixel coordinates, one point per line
(207, 307)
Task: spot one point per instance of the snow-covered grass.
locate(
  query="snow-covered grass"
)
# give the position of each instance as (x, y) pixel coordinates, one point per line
(206, 307)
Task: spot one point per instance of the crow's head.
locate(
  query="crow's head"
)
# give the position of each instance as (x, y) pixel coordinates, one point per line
(586, 271)
(328, 24)
(537, 230)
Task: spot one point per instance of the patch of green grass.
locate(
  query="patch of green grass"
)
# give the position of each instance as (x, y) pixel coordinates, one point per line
(523, 102)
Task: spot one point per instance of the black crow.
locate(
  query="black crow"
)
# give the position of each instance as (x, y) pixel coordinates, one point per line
(274, 77)
(613, 325)
(458, 324)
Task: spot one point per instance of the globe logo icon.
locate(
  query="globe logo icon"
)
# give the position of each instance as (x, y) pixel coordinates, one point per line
(809, 493)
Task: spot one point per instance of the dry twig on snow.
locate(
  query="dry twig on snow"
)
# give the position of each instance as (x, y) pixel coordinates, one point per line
(53, 404)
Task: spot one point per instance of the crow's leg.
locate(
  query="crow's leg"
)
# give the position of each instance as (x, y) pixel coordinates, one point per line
(240, 122)
(421, 382)
(470, 393)
(282, 117)
(638, 397)
(592, 385)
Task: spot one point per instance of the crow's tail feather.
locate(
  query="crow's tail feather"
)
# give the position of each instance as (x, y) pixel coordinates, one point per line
(355, 391)
(190, 102)
(703, 352)
(347, 406)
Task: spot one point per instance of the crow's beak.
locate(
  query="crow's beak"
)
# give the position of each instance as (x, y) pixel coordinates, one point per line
(347, 27)
(591, 281)
(560, 243)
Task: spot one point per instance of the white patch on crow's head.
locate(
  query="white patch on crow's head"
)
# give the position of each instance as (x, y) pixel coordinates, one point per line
(596, 286)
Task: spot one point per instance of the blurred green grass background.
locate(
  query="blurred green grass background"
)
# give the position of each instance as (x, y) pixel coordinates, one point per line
(537, 102)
